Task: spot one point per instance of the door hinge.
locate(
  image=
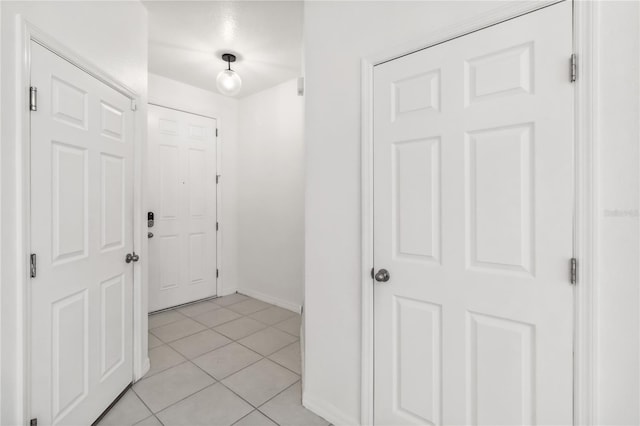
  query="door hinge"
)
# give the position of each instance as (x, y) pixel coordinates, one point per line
(217, 273)
(217, 178)
(573, 270)
(574, 67)
(217, 226)
(372, 273)
(33, 98)
(33, 265)
(134, 106)
(33, 422)
(216, 132)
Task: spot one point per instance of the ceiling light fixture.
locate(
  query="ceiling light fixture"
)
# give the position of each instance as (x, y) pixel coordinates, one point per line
(228, 81)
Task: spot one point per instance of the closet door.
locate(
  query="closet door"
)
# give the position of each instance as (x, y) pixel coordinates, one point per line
(473, 223)
(81, 233)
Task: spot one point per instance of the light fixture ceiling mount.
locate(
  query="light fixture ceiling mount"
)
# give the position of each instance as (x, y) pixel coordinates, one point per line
(228, 81)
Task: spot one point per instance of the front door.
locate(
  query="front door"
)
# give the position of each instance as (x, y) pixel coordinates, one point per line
(473, 204)
(182, 175)
(81, 231)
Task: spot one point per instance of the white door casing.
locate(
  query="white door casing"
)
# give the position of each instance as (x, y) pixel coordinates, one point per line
(81, 230)
(182, 176)
(473, 204)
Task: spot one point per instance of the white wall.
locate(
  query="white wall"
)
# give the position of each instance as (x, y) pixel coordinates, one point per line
(111, 35)
(174, 94)
(337, 36)
(271, 195)
(618, 301)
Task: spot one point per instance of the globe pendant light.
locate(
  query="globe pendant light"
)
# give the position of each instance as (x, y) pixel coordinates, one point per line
(228, 81)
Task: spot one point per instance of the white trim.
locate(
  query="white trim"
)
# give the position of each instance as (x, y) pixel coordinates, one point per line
(586, 31)
(367, 318)
(585, 21)
(219, 218)
(327, 411)
(27, 32)
(272, 300)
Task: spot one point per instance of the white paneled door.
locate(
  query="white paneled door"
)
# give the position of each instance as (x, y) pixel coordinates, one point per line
(81, 232)
(182, 176)
(473, 203)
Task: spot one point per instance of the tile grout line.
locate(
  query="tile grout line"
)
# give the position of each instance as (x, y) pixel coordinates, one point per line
(216, 381)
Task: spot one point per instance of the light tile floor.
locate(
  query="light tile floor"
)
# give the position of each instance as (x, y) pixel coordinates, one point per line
(232, 360)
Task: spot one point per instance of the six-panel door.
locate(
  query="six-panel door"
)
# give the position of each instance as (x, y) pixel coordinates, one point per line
(81, 231)
(473, 204)
(182, 174)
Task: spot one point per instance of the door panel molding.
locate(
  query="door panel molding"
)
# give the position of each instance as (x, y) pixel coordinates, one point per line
(585, 32)
(31, 33)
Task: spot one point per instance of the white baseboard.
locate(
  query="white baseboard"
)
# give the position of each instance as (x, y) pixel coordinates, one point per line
(271, 299)
(227, 291)
(327, 411)
(146, 366)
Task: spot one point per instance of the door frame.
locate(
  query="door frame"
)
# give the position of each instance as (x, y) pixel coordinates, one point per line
(28, 33)
(585, 35)
(218, 148)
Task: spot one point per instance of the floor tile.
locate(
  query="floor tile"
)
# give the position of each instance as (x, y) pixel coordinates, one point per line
(217, 317)
(198, 308)
(268, 341)
(291, 325)
(286, 409)
(199, 343)
(240, 328)
(176, 330)
(255, 418)
(260, 381)
(163, 357)
(215, 405)
(170, 386)
(149, 421)
(249, 306)
(128, 411)
(289, 357)
(272, 315)
(226, 360)
(230, 299)
(164, 318)
(153, 341)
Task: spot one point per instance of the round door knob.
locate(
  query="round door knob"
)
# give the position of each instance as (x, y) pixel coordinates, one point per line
(382, 276)
(128, 258)
(149, 234)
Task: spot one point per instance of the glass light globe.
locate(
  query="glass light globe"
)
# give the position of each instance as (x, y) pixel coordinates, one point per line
(228, 82)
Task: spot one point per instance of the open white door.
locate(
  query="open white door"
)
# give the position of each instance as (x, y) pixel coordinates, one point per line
(81, 232)
(182, 181)
(473, 203)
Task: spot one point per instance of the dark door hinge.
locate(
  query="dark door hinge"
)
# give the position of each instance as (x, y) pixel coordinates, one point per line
(217, 273)
(217, 178)
(372, 273)
(573, 270)
(33, 98)
(574, 67)
(217, 226)
(33, 265)
(216, 132)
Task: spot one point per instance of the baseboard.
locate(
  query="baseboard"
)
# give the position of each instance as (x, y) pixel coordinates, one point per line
(227, 291)
(327, 411)
(270, 299)
(146, 366)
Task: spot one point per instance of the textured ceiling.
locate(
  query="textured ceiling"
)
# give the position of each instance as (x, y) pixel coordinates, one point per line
(187, 38)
